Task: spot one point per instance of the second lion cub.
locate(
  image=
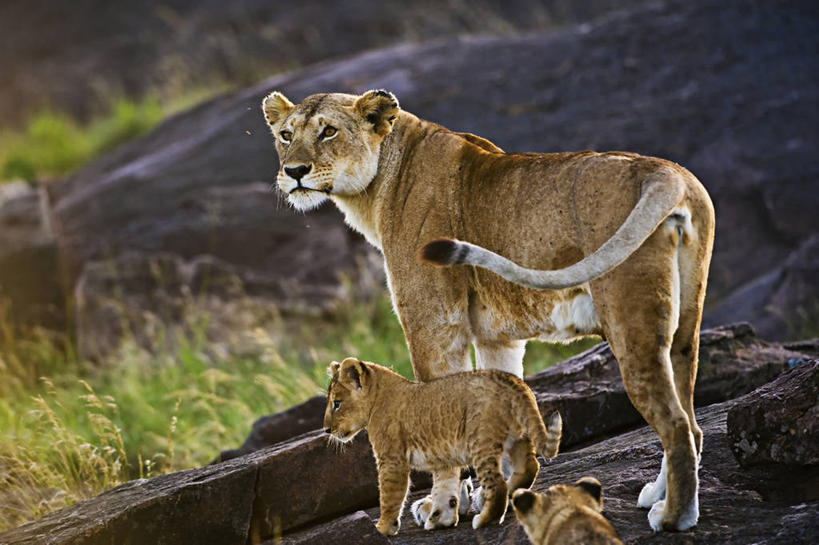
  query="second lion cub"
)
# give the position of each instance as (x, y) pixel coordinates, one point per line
(463, 419)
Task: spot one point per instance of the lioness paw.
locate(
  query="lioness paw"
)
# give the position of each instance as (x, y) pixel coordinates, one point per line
(688, 519)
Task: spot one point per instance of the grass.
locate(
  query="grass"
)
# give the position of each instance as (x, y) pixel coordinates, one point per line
(70, 429)
(54, 144)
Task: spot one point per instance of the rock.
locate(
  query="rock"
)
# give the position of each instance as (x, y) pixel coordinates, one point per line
(165, 48)
(783, 300)
(29, 278)
(779, 422)
(735, 507)
(236, 502)
(156, 299)
(206, 506)
(357, 528)
(275, 428)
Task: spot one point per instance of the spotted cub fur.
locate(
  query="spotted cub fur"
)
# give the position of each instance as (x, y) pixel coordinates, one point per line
(450, 422)
(565, 515)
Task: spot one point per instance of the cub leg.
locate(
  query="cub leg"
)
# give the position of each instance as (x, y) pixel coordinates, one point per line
(524, 464)
(393, 482)
(493, 488)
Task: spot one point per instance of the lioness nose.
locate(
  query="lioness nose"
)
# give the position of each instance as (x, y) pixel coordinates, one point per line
(297, 173)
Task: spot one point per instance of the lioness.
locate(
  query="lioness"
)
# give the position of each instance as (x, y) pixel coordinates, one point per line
(439, 425)
(626, 240)
(565, 515)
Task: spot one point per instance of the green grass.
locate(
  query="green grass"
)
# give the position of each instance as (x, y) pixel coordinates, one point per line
(70, 429)
(53, 144)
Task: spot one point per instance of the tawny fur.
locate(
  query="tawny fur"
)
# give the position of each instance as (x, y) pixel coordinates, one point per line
(626, 238)
(565, 515)
(458, 420)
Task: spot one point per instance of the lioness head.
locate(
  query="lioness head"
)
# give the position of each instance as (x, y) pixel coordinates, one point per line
(532, 508)
(329, 144)
(348, 408)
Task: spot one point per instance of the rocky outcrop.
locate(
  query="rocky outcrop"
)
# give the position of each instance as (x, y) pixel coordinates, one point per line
(299, 487)
(168, 48)
(199, 184)
(29, 274)
(734, 502)
(231, 503)
(779, 422)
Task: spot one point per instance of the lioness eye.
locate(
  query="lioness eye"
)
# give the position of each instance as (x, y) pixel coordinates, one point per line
(286, 135)
(328, 131)
(336, 404)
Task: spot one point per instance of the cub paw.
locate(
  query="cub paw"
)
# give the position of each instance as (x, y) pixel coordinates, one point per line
(388, 528)
(421, 509)
(477, 500)
(465, 496)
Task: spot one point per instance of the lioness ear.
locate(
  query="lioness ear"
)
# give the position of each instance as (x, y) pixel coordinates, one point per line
(276, 107)
(592, 487)
(356, 372)
(380, 108)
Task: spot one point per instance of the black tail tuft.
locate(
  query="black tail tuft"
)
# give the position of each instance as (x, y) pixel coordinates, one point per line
(440, 252)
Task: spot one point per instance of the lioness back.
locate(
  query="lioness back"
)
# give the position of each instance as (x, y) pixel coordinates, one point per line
(458, 420)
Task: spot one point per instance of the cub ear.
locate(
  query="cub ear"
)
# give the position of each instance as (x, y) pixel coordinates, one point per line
(523, 500)
(592, 487)
(276, 107)
(380, 108)
(332, 370)
(355, 372)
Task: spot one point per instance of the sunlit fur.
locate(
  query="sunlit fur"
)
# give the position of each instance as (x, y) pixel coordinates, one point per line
(565, 515)
(625, 241)
(463, 419)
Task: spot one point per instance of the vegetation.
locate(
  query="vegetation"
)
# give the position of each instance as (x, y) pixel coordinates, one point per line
(70, 429)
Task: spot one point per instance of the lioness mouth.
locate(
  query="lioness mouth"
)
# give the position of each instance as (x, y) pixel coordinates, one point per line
(302, 188)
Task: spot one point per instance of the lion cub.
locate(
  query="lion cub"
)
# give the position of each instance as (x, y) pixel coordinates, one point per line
(565, 515)
(463, 419)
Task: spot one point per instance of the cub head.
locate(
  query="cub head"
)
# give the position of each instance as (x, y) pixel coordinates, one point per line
(532, 508)
(329, 143)
(348, 403)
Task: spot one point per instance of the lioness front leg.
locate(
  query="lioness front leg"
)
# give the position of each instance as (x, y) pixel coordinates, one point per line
(393, 482)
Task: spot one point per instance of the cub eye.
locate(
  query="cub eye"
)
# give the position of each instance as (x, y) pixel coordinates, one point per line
(453, 502)
(286, 135)
(436, 513)
(336, 405)
(328, 131)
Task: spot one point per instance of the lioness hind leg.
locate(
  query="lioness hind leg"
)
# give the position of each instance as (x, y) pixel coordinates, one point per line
(640, 319)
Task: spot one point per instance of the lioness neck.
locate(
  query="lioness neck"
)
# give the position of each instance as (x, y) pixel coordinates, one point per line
(363, 211)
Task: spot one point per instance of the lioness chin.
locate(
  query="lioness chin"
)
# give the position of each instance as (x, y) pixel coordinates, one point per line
(612, 244)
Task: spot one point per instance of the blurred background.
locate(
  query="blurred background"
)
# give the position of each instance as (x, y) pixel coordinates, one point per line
(157, 295)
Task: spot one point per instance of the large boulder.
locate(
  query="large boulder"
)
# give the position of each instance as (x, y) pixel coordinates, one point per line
(237, 502)
(29, 274)
(198, 183)
(166, 47)
(779, 422)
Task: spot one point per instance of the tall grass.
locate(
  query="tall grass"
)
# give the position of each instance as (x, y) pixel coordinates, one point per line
(71, 429)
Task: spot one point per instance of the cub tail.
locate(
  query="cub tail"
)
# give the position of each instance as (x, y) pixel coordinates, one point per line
(547, 437)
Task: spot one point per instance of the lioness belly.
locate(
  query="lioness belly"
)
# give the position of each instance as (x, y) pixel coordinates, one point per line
(554, 316)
